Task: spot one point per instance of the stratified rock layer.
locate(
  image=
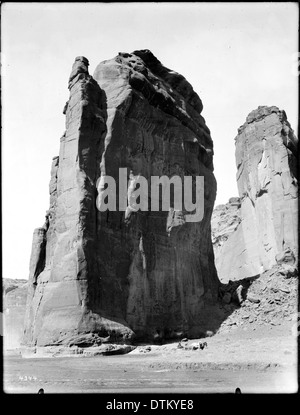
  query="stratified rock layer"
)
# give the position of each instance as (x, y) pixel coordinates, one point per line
(123, 275)
(264, 230)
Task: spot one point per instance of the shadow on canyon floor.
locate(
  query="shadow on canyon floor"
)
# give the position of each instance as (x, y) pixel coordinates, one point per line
(230, 298)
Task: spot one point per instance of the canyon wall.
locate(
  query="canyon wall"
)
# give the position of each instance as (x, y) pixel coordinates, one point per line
(14, 294)
(259, 229)
(124, 275)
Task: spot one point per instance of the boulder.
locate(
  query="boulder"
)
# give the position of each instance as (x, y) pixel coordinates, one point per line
(237, 295)
(285, 257)
(253, 299)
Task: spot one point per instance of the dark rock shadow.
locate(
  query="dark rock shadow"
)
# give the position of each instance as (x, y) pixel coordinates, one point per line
(230, 298)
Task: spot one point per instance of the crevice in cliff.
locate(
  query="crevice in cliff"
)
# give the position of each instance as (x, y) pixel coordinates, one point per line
(261, 192)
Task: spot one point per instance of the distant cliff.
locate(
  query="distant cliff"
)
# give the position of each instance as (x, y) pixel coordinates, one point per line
(144, 275)
(259, 229)
(14, 294)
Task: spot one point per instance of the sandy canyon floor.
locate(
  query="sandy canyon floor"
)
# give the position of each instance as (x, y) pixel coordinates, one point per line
(256, 358)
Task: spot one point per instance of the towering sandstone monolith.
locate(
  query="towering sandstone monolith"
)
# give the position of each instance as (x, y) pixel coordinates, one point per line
(259, 229)
(123, 275)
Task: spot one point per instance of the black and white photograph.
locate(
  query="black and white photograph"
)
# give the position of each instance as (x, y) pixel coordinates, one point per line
(149, 185)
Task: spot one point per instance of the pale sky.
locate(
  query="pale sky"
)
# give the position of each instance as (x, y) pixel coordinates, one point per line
(237, 56)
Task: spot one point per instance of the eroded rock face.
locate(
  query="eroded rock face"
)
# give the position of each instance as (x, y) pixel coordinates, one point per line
(226, 238)
(14, 304)
(124, 275)
(265, 226)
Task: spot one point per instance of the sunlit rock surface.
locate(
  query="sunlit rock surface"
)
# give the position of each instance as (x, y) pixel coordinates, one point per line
(263, 231)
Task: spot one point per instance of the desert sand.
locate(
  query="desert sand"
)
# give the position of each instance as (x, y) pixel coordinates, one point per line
(258, 359)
